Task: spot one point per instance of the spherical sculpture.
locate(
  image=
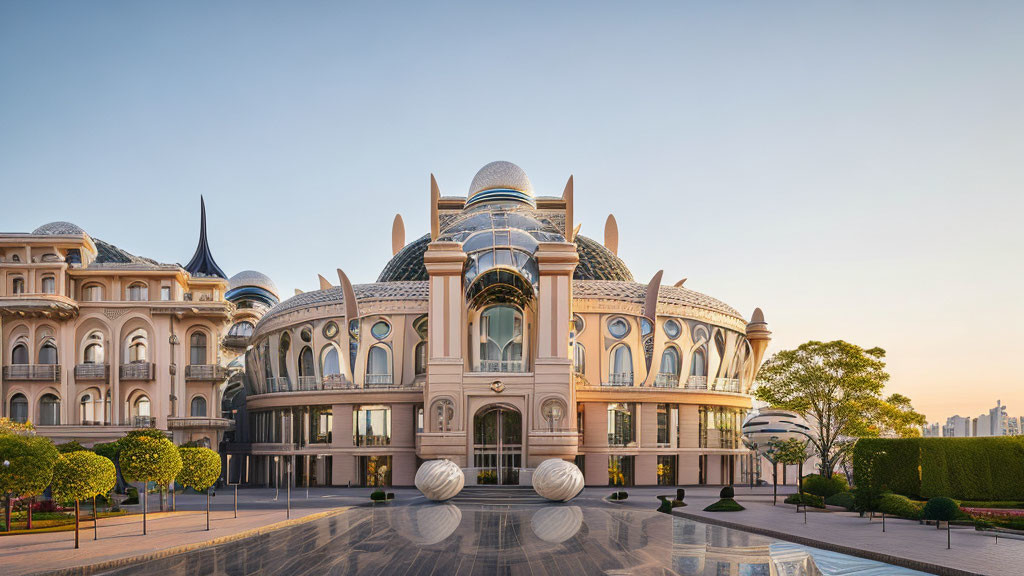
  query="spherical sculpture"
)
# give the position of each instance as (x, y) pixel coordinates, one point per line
(774, 425)
(430, 524)
(557, 480)
(440, 480)
(556, 524)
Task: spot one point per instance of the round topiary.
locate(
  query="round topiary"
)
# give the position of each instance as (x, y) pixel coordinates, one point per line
(680, 493)
(727, 492)
(941, 509)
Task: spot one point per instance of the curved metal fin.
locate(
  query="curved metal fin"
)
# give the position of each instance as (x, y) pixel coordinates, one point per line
(611, 234)
(435, 221)
(297, 291)
(651, 312)
(351, 306)
(397, 234)
(570, 233)
(680, 283)
(324, 284)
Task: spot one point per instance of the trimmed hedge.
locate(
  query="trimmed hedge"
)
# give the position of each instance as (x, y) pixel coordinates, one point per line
(820, 486)
(960, 468)
(725, 505)
(811, 500)
(896, 505)
(843, 499)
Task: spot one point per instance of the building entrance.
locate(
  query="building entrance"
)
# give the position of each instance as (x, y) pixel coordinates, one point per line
(498, 445)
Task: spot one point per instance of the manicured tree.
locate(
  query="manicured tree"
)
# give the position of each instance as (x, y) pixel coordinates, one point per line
(789, 452)
(146, 459)
(29, 468)
(81, 475)
(200, 468)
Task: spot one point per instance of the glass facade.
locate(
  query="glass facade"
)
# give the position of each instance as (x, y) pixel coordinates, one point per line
(720, 427)
(371, 426)
(667, 470)
(620, 424)
(620, 470)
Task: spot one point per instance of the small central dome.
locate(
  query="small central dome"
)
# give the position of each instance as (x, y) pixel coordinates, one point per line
(499, 181)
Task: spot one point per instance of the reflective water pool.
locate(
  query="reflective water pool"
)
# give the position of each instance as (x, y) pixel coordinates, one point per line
(446, 539)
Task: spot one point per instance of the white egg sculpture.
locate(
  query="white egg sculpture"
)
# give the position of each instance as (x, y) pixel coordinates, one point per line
(429, 524)
(557, 480)
(556, 524)
(440, 480)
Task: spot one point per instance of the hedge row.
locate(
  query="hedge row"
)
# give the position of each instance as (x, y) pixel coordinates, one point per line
(961, 468)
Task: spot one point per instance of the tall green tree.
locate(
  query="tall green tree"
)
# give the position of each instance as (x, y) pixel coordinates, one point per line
(838, 387)
(146, 459)
(200, 468)
(30, 461)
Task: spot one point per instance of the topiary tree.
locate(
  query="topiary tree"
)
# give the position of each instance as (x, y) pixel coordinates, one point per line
(200, 468)
(29, 467)
(81, 475)
(787, 453)
(940, 509)
(727, 492)
(146, 459)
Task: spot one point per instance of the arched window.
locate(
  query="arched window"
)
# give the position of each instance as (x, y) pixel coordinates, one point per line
(282, 355)
(421, 358)
(92, 293)
(621, 373)
(138, 292)
(138, 347)
(19, 408)
(668, 372)
(699, 366)
(87, 410)
(141, 406)
(579, 358)
(198, 408)
(48, 353)
(197, 349)
(18, 286)
(19, 355)
(241, 329)
(306, 365)
(49, 410)
(501, 340)
(93, 349)
(444, 415)
(49, 285)
(378, 366)
(330, 363)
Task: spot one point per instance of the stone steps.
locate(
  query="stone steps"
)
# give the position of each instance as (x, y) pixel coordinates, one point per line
(498, 496)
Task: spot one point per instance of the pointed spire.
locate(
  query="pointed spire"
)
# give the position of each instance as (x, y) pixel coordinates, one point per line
(324, 284)
(397, 234)
(351, 304)
(611, 234)
(680, 283)
(202, 263)
(435, 221)
(570, 233)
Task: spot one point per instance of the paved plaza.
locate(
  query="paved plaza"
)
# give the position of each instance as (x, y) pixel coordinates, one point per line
(337, 531)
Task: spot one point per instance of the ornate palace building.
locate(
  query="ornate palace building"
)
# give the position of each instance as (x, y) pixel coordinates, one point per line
(500, 339)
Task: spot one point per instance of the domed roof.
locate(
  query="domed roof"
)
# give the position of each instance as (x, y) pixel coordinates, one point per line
(254, 279)
(500, 181)
(59, 228)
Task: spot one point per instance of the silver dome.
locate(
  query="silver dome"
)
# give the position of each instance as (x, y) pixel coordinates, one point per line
(59, 228)
(500, 175)
(253, 278)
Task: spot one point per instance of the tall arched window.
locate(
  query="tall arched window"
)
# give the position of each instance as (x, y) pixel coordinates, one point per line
(138, 346)
(49, 410)
(49, 285)
(197, 349)
(378, 366)
(699, 366)
(138, 292)
(198, 407)
(282, 355)
(421, 358)
(141, 408)
(19, 355)
(621, 373)
(18, 286)
(330, 364)
(19, 408)
(501, 340)
(306, 365)
(579, 358)
(668, 372)
(87, 409)
(93, 349)
(48, 353)
(444, 415)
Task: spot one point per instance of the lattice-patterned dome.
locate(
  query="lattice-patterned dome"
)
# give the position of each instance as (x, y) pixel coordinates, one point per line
(59, 228)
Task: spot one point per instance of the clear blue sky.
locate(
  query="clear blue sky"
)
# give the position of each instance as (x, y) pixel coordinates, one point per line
(854, 168)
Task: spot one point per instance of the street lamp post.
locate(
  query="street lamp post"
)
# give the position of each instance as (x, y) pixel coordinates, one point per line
(7, 501)
(288, 488)
(277, 477)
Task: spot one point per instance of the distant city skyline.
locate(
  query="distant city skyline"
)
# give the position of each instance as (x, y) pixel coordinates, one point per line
(853, 169)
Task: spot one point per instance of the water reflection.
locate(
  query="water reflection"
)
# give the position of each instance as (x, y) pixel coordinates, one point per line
(449, 539)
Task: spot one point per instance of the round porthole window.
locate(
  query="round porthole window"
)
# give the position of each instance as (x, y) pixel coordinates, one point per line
(380, 330)
(306, 334)
(577, 323)
(673, 329)
(618, 327)
(330, 330)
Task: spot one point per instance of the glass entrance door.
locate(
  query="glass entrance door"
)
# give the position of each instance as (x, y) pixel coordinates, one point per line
(498, 446)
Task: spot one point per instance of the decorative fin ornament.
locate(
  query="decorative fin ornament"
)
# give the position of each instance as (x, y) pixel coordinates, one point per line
(435, 221)
(680, 283)
(351, 306)
(324, 284)
(611, 234)
(202, 262)
(397, 234)
(651, 313)
(570, 233)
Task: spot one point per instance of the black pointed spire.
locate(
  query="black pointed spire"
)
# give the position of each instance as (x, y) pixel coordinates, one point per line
(202, 263)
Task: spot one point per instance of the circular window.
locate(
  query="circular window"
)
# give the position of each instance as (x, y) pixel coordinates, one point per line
(673, 329)
(618, 327)
(330, 329)
(577, 323)
(380, 330)
(552, 410)
(306, 334)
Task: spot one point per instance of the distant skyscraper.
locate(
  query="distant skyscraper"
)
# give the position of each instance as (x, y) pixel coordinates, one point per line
(998, 420)
(957, 427)
(931, 430)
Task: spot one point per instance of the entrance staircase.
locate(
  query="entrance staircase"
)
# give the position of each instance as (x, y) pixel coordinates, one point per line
(498, 496)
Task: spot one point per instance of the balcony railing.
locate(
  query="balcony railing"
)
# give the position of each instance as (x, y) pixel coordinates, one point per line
(38, 372)
(620, 379)
(501, 366)
(697, 383)
(373, 380)
(137, 371)
(205, 372)
(307, 383)
(92, 371)
(143, 422)
(666, 380)
(279, 384)
(726, 385)
(331, 381)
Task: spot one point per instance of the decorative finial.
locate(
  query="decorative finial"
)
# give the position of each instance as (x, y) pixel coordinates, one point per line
(351, 306)
(202, 262)
(324, 284)
(435, 197)
(570, 233)
(611, 234)
(397, 234)
(680, 283)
